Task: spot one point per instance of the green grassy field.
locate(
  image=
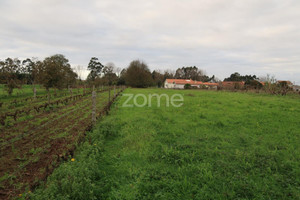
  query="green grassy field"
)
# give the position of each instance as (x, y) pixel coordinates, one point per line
(218, 145)
(26, 91)
(36, 135)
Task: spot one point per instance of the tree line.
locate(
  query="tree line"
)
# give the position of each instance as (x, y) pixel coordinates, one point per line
(53, 72)
(56, 72)
(138, 74)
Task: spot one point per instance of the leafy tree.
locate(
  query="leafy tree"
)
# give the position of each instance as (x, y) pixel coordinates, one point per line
(70, 77)
(56, 72)
(237, 77)
(95, 68)
(31, 69)
(138, 75)
(283, 87)
(110, 77)
(121, 80)
(213, 79)
(2, 74)
(10, 70)
(234, 77)
(187, 86)
(28, 66)
(253, 84)
(158, 78)
(189, 73)
(193, 73)
(168, 74)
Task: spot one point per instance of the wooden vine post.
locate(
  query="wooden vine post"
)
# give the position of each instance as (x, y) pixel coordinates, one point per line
(34, 92)
(94, 106)
(114, 91)
(48, 95)
(108, 94)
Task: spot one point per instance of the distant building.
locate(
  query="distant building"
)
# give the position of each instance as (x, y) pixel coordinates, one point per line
(289, 83)
(296, 88)
(232, 84)
(180, 83)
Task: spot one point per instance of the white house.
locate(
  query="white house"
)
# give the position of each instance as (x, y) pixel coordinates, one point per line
(179, 84)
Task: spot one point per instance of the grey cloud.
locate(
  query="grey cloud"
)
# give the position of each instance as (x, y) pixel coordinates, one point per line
(219, 36)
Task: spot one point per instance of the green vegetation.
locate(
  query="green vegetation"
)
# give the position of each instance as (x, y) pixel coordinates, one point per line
(35, 136)
(218, 145)
(24, 92)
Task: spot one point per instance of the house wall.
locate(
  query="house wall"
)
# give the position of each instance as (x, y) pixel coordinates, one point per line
(169, 85)
(179, 86)
(195, 86)
(166, 85)
(173, 86)
(296, 88)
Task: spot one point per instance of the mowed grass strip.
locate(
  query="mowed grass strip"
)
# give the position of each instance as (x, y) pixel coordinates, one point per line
(218, 145)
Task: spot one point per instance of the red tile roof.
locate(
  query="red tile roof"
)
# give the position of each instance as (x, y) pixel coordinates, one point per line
(191, 82)
(183, 81)
(288, 82)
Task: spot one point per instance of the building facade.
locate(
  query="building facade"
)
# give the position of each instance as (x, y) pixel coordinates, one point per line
(180, 83)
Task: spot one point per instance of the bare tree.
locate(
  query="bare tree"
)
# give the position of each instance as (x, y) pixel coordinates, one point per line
(270, 84)
(118, 71)
(78, 69)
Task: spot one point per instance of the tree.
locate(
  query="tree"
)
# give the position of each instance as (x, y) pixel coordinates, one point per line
(31, 69)
(2, 76)
(169, 74)
(118, 71)
(192, 73)
(253, 84)
(10, 70)
(270, 84)
(95, 68)
(138, 75)
(56, 72)
(121, 80)
(234, 77)
(78, 70)
(283, 87)
(110, 77)
(28, 66)
(187, 86)
(158, 78)
(213, 79)
(189, 73)
(70, 77)
(237, 77)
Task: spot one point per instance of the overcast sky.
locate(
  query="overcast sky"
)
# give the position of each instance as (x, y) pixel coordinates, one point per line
(219, 36)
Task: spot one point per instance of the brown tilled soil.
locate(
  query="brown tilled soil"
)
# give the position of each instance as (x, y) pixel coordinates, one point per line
(53, 141)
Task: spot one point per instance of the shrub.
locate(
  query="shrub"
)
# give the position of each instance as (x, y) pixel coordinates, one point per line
(187, 86)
